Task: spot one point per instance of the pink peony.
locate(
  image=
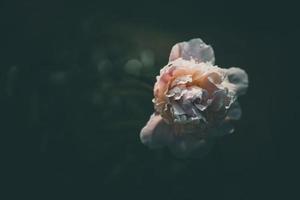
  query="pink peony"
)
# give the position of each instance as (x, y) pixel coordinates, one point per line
(194, 101)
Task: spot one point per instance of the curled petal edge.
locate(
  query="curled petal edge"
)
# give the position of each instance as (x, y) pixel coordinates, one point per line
(194, 49)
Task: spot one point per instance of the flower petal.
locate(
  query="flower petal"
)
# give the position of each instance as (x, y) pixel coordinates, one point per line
(194, 49)
(157, 133)
(218, 100)
(237, 80)
(191, 147)
(235, 112)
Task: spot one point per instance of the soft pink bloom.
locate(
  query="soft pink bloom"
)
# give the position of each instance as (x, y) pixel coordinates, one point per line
(194, 101)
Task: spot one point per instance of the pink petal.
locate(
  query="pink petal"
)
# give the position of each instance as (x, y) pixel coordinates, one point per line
(194, 49)
(157, 133)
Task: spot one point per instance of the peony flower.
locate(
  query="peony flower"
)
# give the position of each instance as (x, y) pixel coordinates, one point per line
(194, 101)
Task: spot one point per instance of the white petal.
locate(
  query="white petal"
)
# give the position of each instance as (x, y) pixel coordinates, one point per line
(237, 80)
(194, 49)
(157, 133)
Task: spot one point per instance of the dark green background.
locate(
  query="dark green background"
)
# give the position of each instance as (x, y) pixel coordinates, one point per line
(71, 111)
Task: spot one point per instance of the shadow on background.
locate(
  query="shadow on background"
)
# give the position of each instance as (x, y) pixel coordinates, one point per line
(76, 88)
